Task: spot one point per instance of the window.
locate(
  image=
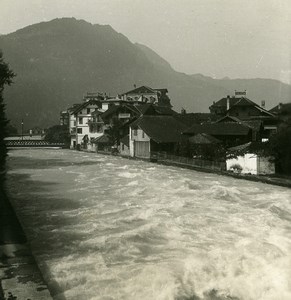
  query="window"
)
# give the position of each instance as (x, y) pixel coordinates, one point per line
(79, 130)
(135, 132)
(88, 111)
(80, 120)
(142, 134)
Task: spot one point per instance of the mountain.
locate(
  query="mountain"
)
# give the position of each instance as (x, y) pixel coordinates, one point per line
(56, 62)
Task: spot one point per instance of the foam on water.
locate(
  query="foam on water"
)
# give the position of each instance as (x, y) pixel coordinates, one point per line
(111, 228)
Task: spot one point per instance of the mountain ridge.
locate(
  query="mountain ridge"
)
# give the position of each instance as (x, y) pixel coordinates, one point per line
(56, 62)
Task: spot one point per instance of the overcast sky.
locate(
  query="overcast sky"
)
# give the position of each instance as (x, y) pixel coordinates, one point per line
(234, 38)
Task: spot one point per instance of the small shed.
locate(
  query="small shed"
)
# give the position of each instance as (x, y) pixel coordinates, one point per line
(249, 163)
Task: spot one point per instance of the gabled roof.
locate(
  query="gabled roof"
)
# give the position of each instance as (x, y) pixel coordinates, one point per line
(253, 124)
(228, 118)
(223, 102)
(161, 129)
(219, 129)
(115, 108)
(103, 139)
(203, 139)
(85, 104)
(247, 102)
(140, 90)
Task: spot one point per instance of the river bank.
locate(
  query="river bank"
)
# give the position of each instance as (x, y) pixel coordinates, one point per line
(278, 180)
(20, 277)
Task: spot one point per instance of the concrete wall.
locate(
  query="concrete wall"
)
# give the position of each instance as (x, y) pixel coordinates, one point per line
(251, 164)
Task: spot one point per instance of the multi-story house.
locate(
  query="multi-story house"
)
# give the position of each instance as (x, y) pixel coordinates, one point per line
(81, 129)
(245, 110)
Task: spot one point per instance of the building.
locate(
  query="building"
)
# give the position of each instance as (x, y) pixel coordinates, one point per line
(248, 162)
(145, 94)
(154, 133)
(81, 130)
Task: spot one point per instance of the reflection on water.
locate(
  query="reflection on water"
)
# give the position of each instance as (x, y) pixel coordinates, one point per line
(104, 227)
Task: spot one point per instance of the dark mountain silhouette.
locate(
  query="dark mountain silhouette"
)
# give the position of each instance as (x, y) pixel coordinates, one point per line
(57, 62)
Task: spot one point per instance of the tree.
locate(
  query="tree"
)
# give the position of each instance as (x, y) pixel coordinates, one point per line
(58, 134)
(280, 144)
(6, 76)
(114, 131)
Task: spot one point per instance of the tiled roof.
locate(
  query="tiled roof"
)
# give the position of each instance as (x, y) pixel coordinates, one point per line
(161, 129)
(203, 138)
(219, 129)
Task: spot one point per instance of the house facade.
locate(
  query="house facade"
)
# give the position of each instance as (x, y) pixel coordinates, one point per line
(81, 130)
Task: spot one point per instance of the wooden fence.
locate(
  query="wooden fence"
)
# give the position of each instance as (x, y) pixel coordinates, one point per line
(194, 162)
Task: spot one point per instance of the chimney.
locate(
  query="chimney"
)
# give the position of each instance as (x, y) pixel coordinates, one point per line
(280, 106)
(227, 102)
(263, 104)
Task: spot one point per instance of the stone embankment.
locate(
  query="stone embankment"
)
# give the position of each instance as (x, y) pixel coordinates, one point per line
(20, 278)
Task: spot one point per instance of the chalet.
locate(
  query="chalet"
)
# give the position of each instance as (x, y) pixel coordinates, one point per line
(239, 106)
(153, 133)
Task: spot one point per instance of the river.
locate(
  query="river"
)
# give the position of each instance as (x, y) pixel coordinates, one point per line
(104, 227)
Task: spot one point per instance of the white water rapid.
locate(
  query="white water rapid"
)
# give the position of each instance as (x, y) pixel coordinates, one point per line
(104, 227)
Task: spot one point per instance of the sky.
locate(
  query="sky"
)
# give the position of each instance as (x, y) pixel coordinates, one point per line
(217, 38)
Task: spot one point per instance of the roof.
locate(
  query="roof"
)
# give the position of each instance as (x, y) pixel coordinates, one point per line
(140, 90)
(152, 109)
(84, 105)
(103, 139)
(219, 129)
(240, 147)
(115, 108)
(111, 110)
(203, 138)
(161, 129)
(228, 118)
(223, 102)
(254, 124)
(247, 102)
(281, 108)
(193, 118)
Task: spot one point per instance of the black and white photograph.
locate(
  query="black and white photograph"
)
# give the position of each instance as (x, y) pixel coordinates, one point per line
(145, 150)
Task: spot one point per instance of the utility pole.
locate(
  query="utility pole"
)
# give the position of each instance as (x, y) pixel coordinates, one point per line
(22, 129)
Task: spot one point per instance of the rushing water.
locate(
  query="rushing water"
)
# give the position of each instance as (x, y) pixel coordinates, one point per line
(104, 227)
